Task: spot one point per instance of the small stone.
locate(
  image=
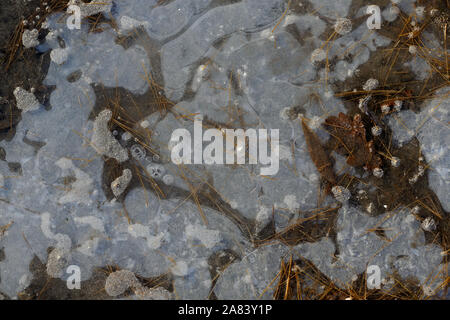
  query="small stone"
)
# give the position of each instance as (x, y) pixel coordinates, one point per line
(103, 141)
(363, 102)
(378, 172)
(138, 152)
(59, 55)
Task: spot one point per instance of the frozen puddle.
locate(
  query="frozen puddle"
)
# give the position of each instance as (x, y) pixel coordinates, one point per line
(240, 65)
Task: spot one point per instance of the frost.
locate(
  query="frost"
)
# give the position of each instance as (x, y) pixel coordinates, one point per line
(343, 26)
(30, 38)
(341, 194)
(209, 238)
(26, 101)
(119, 185)
(93, 7)
(103, 141)
(59, 55)
(80, 189)
(119, 281)
(57, 262)
(370, 84)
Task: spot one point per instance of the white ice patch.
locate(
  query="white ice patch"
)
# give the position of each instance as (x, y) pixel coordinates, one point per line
(209, 238)
(81, 189)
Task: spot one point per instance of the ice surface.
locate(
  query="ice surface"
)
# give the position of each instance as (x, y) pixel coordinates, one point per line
(252, 277)
(405, 252)
(430, 129)
(237, 67)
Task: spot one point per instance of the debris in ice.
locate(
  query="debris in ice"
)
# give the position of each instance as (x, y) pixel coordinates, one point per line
(428, 224)
(119, 185)
(103, 141)
(378, 172)
(93, 7)
(138, 152)
(341, 194)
